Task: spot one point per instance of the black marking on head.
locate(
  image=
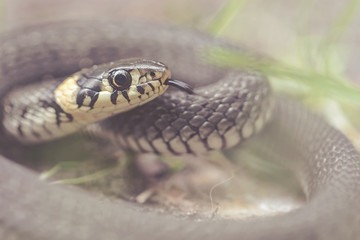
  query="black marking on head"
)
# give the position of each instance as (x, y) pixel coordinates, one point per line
(92, 83)
(159, 81)
(19, 129)
(152, 86)
(113, 97)
(80, 98)
(141, 76)
(83, 93)
(81, 81)
(126, 96)
(140, 89)
(93, 100)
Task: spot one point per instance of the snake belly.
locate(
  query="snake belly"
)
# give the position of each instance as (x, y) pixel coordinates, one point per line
(324, 160)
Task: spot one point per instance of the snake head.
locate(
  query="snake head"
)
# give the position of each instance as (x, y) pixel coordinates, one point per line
(104, 90)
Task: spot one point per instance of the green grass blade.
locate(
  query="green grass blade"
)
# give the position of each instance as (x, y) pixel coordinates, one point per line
(342, 22)
(58, 167)
(323, 84)
(327, 47)
(85, 179)
(225, 16)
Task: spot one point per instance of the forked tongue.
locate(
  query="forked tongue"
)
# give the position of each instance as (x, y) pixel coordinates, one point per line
(180, 85)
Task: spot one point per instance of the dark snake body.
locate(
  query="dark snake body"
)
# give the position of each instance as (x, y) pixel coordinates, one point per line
(325, 162)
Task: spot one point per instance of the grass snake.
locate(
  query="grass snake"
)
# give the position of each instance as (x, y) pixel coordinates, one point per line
(228, 106)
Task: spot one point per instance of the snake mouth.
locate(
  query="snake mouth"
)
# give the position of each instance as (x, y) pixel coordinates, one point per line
(180, 85)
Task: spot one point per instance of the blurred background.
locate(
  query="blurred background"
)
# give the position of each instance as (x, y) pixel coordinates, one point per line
(273, 27)
(317, 40)
(310, 47)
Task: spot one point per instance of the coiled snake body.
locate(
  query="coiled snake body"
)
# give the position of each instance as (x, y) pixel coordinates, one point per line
(229, 105)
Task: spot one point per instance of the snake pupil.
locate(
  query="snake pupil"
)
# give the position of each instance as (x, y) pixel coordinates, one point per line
(120, 79)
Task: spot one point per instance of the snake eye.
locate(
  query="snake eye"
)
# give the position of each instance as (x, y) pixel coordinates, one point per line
(120, 79)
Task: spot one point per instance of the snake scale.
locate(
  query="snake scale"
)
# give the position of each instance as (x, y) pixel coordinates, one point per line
(325, 162)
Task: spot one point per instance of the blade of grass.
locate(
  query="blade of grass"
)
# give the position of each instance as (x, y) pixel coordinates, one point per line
(225, 16)
(336, 31)
(342, 22)
(87, 178)
(60, 166)
(320, 82)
